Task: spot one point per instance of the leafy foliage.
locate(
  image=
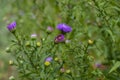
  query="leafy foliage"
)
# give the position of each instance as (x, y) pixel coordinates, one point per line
(95, 34)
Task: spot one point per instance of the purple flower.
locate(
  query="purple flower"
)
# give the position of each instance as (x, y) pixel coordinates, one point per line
(59, 38)
(49, 59)
(49, 29)
(12, 26)
(98, 65)
(33, 36)
(64, 28)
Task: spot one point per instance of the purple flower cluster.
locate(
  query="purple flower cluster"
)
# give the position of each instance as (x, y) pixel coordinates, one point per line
(60, 38)
(12, 26)
(64, 28)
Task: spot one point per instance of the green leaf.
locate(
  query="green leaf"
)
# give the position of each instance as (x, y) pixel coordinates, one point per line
(116, 65)
(111, 34)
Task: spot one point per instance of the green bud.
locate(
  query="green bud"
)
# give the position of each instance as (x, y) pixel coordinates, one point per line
(43, 39)
(68, 71)
(7, 49)
(33, 36)
(21, 62)
(11, 78)
(27, 43)
(90, 41)
(38, 44)
(11, 62)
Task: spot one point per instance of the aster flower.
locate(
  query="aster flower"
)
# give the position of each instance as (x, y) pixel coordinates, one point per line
(98, 65)
(59, 38)
(11, 27)
(49, 59)
(64, 28)
(49, 29)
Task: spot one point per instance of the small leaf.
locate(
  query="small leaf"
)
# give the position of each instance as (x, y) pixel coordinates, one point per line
(116, 65)
(113, 37)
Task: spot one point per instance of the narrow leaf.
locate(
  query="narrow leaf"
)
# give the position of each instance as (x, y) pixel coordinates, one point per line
(116, 65)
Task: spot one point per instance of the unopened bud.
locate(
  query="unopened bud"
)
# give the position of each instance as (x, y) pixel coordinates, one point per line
(8, 49)
(68, 71)
(49, 29)
(62, 70)
(56, 59)
(11, 78)
(38, 44)
(21, 62)
(27, 43)
(33, 36)
(90, 41)
(10, 62)
(47, 63)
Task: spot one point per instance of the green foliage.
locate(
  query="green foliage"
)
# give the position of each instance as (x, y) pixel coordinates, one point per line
(31, 64)
(95, 24)
(116, 65)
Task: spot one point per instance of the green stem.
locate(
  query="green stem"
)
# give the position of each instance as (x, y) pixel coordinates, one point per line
(26, 53)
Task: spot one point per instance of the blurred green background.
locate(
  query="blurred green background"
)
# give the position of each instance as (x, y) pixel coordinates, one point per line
(34, 16)
(5, 69)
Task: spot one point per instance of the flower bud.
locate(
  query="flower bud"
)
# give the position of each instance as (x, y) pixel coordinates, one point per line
(38, 44)
(59, 38)
(49, 29)
(67, 41)
(56, 59)
(11, 27)
(27, 44)
(90, 41)
(11, 62)
(68, 71)
(49, 59)
(8, 49)
(21, 61)
(47, 63)
(62, 70)
(11, 78)
(33, 36)
(43, 39)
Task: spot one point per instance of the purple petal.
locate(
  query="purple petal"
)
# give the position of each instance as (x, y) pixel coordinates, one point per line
(59, 38)
(63, 27)
(59, 26)
(48, 59)
(49, 29)
(11, 26)
(33, 35)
